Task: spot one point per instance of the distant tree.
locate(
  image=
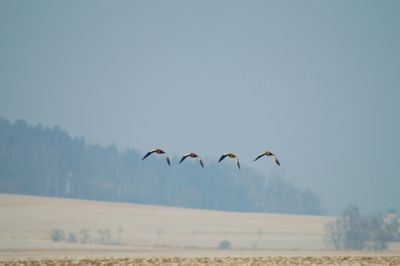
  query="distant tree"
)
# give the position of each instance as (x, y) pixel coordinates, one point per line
(354, 225)
(194, 234)
(355, 231)
(104, 236)
(224, 244)
(72, 238)
(392, 227)
(311, 203)
(284, 197)
(57, 235)
(378, 238)
(120, 230)
(159, 231)
(84, 235)
(335, 234)
(260, 232)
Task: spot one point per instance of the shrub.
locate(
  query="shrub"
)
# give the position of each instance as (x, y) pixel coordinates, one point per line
(72, 238)
(224, 244)
(104, 236)
(57, 235)
(84, 235)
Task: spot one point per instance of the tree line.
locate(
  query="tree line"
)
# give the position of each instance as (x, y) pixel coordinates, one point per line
(354, 231)
(45, 161)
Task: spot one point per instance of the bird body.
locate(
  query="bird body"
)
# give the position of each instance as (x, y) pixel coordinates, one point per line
(191, 155)
(159, 152)
(268, 154)
(230, 155)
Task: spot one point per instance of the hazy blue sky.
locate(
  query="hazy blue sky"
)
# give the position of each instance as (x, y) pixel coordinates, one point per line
(316, 82)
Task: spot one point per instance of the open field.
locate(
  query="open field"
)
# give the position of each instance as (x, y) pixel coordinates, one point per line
(131, 231)
(278, 260)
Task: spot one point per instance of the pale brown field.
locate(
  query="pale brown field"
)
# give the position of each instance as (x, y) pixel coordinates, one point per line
(141, 232)
(279, 260)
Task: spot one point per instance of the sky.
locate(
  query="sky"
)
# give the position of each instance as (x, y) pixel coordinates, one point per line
(315, 82)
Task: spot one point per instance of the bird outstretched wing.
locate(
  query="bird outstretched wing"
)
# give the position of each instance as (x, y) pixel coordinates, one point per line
(258, 157)
(183, 158)
(222, 157)
(147, 155)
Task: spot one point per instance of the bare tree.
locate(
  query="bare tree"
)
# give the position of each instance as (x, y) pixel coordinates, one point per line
(84, 235)
(260, 233)
(334, 234)
(159, 231)
(355, 231)
(104, 236)
(194, 234)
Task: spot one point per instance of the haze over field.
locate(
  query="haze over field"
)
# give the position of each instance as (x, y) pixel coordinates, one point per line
(315, 82)
(103, 229)
(137, 230)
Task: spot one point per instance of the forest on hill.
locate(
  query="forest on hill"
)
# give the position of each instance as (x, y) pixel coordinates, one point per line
(38, 160)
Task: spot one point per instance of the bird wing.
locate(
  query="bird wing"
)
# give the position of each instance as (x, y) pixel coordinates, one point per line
(277, 161)
(147, 154)
(237, 162)
(201, 163)
(259, 156)
(222, 157)
(183, 158)
(168, 161)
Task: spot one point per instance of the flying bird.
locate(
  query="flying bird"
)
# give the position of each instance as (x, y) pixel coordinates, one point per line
(192, 155)
(230, 155)
(159, 152)
(268, 154)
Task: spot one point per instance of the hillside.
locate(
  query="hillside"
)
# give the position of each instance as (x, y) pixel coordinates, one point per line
(37, 160)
